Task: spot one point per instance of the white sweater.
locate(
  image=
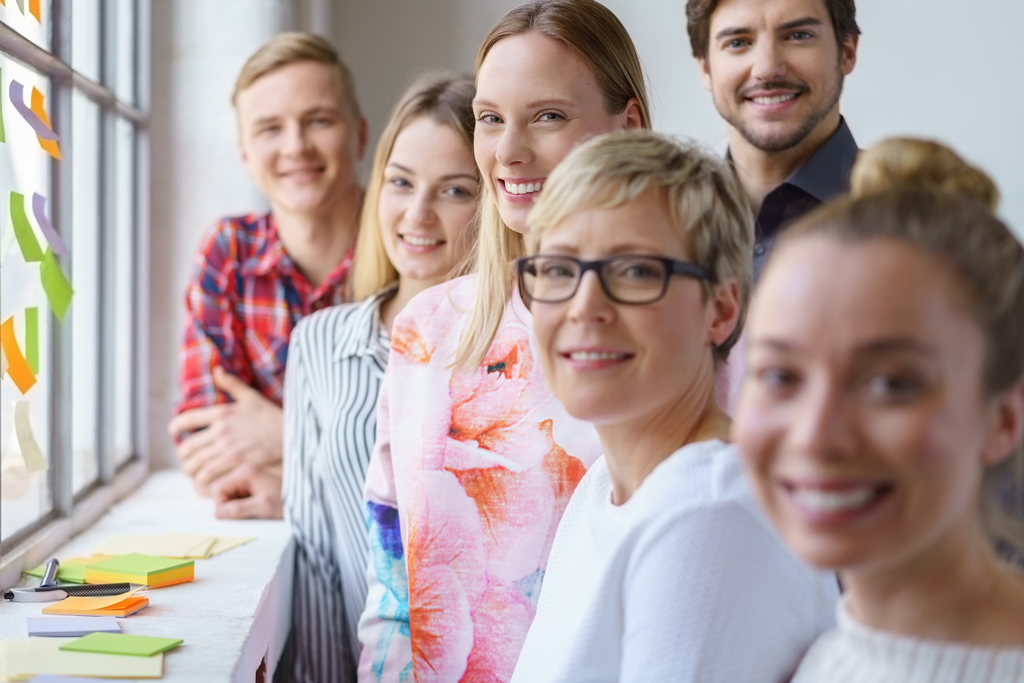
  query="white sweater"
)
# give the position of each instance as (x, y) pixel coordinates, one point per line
(854, 653)
(684, 582)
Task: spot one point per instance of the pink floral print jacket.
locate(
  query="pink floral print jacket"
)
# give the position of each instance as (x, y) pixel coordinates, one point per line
(467, 483)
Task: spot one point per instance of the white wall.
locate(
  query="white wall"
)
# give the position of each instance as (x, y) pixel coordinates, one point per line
(938, 68)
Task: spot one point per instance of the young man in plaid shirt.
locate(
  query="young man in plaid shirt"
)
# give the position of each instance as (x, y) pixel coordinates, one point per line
(301, 135)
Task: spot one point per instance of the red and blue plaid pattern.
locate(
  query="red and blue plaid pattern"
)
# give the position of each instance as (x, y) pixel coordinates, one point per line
(243, 300)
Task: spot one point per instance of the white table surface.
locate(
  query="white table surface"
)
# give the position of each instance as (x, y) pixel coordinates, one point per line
(235, 612)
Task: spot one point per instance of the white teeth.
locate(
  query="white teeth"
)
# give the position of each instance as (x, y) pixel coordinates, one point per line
(420, 241)
(524, 188)
(596, 355)
(778, 99)
(817, 500)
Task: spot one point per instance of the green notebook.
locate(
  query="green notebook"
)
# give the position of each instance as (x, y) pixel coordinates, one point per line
(121, 644)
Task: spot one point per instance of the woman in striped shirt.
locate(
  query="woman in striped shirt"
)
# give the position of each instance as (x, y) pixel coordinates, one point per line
(885, 381)
(418, 218)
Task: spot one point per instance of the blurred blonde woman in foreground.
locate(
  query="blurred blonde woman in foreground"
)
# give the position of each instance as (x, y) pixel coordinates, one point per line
(886, 378)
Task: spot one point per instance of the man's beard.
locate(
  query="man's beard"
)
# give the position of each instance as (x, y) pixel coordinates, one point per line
(781, 141)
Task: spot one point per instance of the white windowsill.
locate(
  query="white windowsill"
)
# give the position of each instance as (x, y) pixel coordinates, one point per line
(234, 615)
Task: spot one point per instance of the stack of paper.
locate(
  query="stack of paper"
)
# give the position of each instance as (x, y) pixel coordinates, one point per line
(72, 570)
(120, 644)
(184, 546)
(148, 570)
(104, 606)
(65, 627)
(23, 658)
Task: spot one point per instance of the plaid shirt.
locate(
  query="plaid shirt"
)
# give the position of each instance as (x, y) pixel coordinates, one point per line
(242, 302)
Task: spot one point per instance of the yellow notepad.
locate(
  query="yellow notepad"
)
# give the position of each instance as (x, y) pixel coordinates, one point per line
(21, 659)
(183, 546)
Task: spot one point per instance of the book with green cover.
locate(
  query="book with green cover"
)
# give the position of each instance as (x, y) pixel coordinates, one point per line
(121, 644)
(150, 570)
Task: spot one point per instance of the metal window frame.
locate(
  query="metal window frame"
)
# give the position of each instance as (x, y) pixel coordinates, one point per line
(71, 513)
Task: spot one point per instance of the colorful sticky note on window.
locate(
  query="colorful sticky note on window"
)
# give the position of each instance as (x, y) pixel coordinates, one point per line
(121, 644)
(52, 236)
(55, 284)
(35, 116)
(30, 249)
(35, 461)
(32, 338)
(17, 367)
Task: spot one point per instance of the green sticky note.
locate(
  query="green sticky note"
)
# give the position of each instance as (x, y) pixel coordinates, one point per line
(23, 232)
(55, 284)
(32, 338)
(121, 644)
(137, 563)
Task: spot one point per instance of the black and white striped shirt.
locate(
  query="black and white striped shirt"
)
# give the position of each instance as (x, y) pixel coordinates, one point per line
(336, 361)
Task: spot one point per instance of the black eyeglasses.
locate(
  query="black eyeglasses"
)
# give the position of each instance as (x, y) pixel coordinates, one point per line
(627, 278)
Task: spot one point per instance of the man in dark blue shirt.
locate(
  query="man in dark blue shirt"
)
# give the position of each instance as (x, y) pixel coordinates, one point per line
(775, 70)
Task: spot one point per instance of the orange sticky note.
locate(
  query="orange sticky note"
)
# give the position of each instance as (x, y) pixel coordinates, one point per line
(33, 9)
(107, 606)
(17, 367)
(38, 108)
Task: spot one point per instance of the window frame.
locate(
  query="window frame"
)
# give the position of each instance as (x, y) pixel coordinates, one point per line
(70, 512)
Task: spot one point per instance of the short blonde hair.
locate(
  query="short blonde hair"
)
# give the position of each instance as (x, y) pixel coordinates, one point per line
(704, 199)
(599, 40)
(447, 100)
(291, 47)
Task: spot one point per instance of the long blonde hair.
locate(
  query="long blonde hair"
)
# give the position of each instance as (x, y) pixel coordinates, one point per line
(600, 40)
(446, 99)
(922, 193)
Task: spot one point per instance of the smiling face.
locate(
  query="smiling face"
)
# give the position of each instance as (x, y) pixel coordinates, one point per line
(535, 101)
(612, 363)
(775, 71)
(299, 139)
(862, 422)
(427, 201)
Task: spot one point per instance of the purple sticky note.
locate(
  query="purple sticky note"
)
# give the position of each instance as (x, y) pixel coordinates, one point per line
(52, 236)
(17, 92)
(71, 627)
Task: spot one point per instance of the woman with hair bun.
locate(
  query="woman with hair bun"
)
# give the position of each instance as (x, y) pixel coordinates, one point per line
(885, 384)
(475, 460)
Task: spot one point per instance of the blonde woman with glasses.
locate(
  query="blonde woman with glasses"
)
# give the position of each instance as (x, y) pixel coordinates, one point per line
(475, 461)
(663, 568)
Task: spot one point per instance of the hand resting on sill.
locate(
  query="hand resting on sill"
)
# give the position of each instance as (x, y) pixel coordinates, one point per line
(248, 492)
(225, 436)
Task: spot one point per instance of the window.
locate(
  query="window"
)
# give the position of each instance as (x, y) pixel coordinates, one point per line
(73, 222)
